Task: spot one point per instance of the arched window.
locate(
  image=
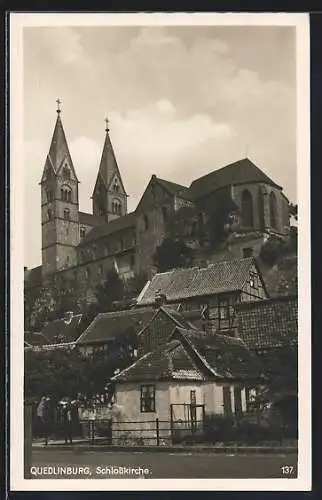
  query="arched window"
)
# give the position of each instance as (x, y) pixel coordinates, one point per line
(273, 210)
(146, 222)
(165, 214)
(261, 209)
(116, 186)
(116, 207)
(66, 193)
(247, 209)
(66, 214)
(50, 214)
(66, 172)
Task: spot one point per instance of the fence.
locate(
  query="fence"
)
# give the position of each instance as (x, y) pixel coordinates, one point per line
(141, 433)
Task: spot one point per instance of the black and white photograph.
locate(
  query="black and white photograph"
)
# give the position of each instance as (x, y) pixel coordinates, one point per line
(160, 272)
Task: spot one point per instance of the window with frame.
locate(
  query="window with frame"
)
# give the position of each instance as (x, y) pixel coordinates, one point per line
(253, 280)
(147, 398)
(66, 172)
(224, 309)
(66, 193)
(50, 214)
(66, 214)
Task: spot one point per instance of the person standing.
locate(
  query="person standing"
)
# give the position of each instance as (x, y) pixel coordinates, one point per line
(67, 419)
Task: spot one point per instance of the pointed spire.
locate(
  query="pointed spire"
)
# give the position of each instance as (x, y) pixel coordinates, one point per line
(108, 164)
(58, 150)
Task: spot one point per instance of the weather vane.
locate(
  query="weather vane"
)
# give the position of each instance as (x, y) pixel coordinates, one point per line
(58, 101)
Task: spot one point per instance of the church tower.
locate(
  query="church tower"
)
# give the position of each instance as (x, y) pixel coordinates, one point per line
(109, 196)
(59, 205)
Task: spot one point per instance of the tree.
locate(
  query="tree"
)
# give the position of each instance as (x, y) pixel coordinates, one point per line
(219, 209)
(172, 254)
(135, 285)
(110, 291)
(66, 372)
(293, 211)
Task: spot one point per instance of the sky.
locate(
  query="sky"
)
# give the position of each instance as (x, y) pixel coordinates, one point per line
(181, 102)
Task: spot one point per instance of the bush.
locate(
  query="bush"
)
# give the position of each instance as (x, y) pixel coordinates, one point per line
(219, 428)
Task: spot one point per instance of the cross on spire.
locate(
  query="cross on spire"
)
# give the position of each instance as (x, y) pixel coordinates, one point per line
(106, 124)
(58, 101)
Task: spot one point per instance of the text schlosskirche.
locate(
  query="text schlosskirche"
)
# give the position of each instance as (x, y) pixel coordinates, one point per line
(103, 471)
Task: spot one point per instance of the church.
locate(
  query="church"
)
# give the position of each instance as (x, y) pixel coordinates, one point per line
(79, 248)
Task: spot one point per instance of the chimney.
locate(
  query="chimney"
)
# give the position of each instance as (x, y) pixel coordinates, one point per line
(160, 299)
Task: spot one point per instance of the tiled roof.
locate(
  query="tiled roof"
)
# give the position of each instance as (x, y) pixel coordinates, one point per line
(226, 357)
(268, 323)
(33, 277)
(220, 277)
(175, 189)
(90, 219)
(171, 361)
(239, 172)
(66, 329)
(110, 325)
(125, 222)
(191, 355)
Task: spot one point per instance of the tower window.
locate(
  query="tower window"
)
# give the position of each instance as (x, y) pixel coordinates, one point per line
(82, 232)
(116, 186)
(66, 193)
(116, 207)
(50, 214)
(66, 172)
(66, 214)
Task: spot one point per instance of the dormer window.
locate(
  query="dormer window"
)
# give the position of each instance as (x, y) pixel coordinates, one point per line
(66, 214)
(66, 172)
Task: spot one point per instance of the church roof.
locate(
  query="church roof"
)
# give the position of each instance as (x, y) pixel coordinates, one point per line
(179, 284)
(58, 150)
(240, 172)
(268, 323)
(175, 189)
(116, 225)
(90, 219)
(108, 164)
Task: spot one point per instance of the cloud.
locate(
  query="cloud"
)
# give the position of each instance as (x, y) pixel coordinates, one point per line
(182, 101)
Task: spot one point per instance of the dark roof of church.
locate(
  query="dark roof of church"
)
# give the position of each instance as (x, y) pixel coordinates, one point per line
(175, 189)
(268, 323)
(90, 219)
(220, 277)
(111, 325)
(33, 277)
(108, 164)
(239, 172)
(68, 330)
(125, 222)
(189, 357)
